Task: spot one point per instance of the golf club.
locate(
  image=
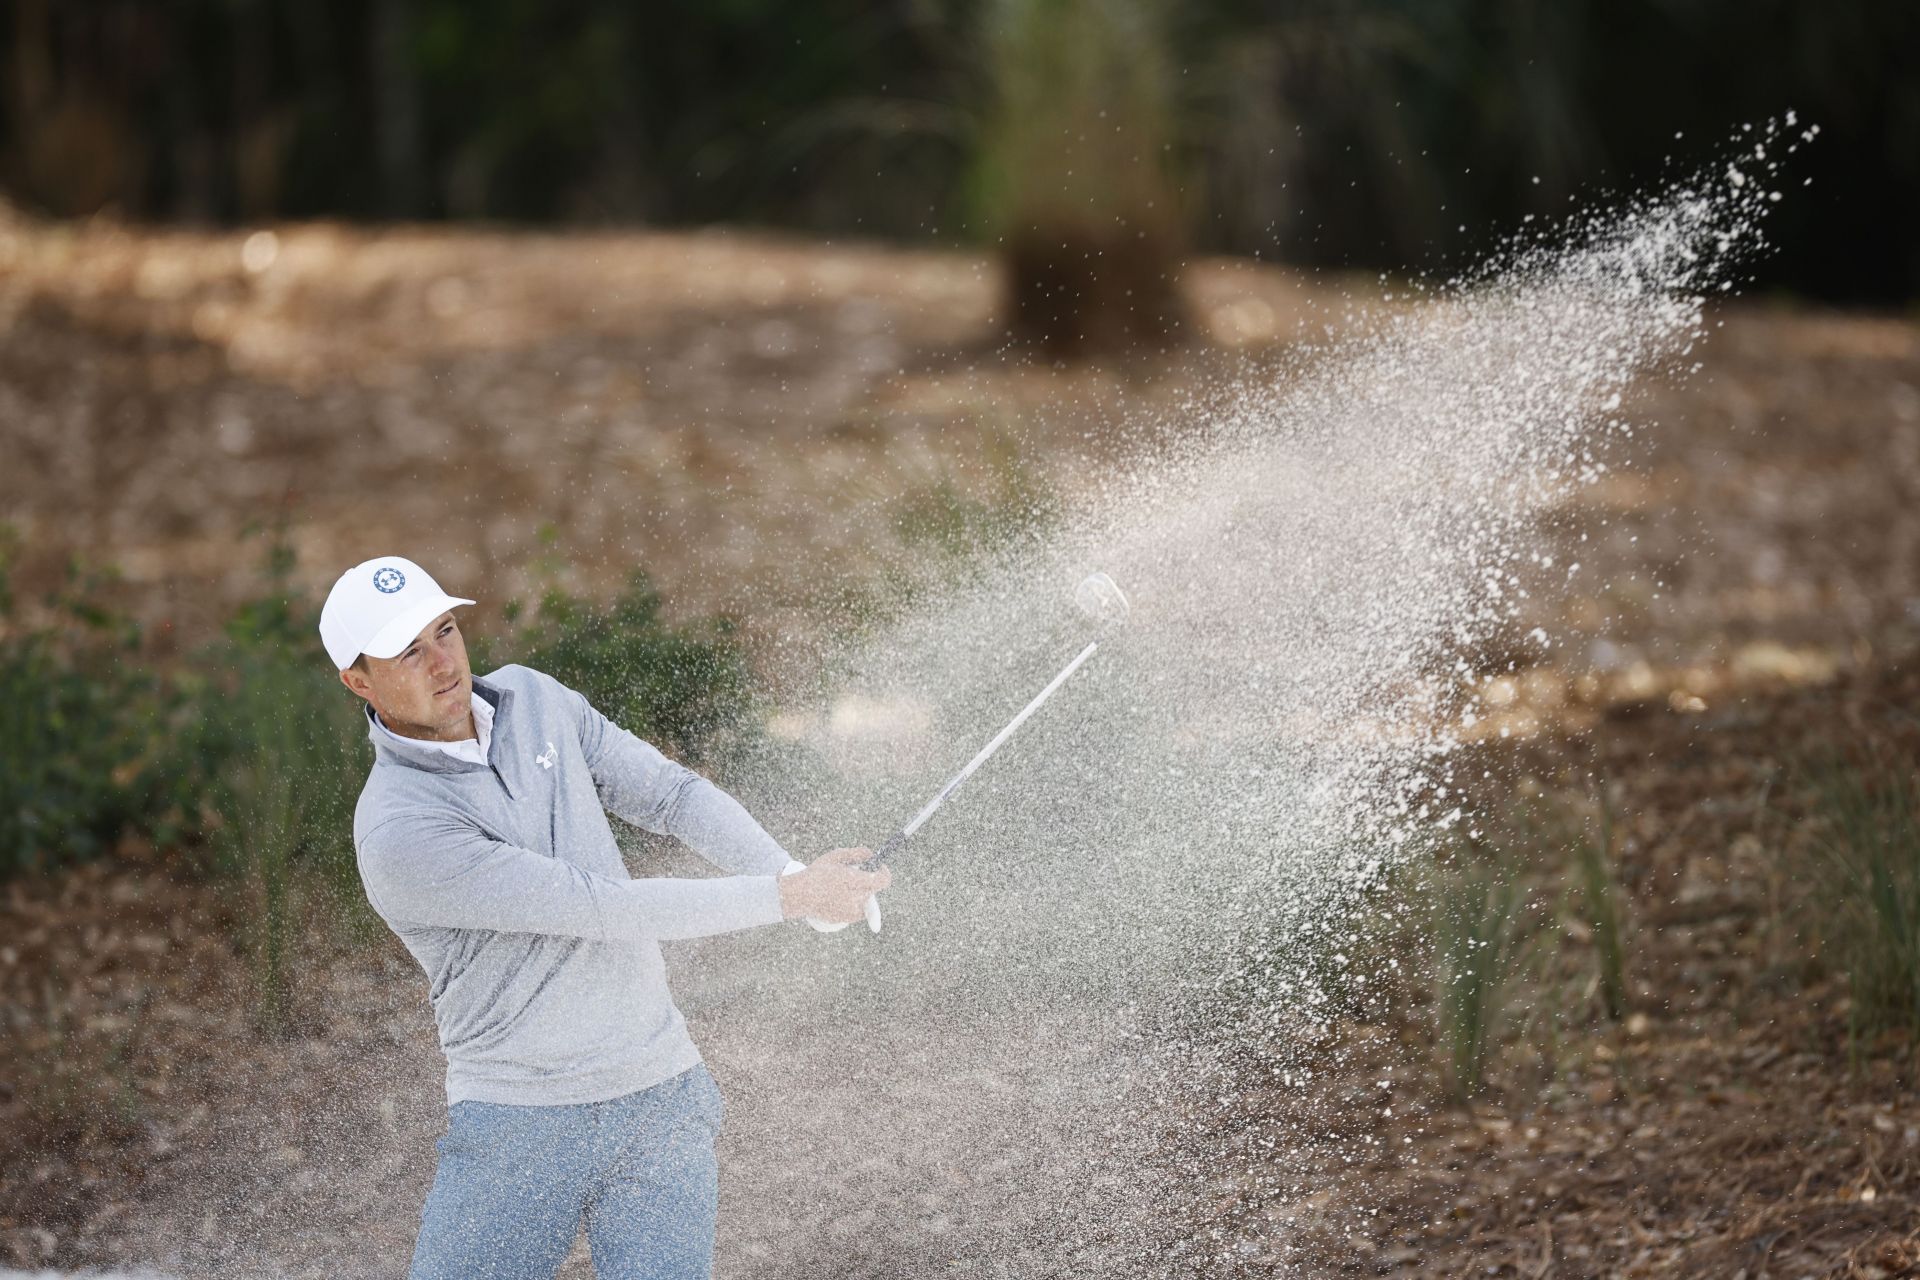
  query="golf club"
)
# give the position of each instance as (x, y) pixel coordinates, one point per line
(1100, 598)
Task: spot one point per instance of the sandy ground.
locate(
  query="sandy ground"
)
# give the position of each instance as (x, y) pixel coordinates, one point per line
(872, 1129)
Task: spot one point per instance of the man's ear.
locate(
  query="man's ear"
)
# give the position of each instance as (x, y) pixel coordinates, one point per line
(358, 682)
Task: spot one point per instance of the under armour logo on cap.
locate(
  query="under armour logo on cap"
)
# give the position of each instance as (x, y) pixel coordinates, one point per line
(387, 579)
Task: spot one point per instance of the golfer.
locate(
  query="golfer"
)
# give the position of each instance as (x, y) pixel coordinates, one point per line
(573, 1089)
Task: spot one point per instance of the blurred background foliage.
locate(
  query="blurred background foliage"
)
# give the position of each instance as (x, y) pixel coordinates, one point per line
(255, 737)
(242, 766)
(1362, 133)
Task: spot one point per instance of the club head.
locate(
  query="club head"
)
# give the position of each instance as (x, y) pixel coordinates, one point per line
(1100, 598)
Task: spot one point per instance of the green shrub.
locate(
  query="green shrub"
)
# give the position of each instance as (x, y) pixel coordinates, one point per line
(676, 686)
(271, 756)
(1867, 890)
(80, 738)
(249, 759)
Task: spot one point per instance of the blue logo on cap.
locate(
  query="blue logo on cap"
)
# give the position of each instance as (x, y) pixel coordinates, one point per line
(388, 579)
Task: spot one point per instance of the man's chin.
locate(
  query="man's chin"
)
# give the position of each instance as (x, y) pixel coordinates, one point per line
(453, 707)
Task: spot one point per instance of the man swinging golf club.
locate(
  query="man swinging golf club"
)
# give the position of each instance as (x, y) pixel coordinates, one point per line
(573, 1089)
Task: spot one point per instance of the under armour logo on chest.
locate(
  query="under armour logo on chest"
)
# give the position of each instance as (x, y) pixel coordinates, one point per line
(547, 760)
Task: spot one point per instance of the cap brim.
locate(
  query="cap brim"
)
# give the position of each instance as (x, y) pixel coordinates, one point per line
(391, 639)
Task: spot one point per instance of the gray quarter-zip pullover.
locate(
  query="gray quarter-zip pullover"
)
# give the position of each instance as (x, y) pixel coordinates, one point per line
(503, 879)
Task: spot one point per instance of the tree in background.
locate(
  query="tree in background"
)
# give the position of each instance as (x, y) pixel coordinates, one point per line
(1073, 172)
(72, 142)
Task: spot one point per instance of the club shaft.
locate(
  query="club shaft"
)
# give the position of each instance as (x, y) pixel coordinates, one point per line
(986, 753)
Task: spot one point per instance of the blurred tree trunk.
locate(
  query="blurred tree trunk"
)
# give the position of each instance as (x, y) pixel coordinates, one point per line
(259, 130)
(1074, 174)
(397, 104)
(1082, 290)
(189, 147)
(73, 145)
(30, 70)
(29, 87)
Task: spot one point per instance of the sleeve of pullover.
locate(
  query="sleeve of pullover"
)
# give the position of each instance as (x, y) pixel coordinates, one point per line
(652, 792)
(444, 873)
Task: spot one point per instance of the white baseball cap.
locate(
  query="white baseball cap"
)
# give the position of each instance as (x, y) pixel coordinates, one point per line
(378, 607)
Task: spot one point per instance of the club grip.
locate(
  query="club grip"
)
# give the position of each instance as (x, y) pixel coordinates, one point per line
(894, 844)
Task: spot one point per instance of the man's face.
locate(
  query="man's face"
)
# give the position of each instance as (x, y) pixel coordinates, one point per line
(424, 692)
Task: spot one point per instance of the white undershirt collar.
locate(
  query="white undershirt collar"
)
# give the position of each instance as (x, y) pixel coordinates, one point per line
(472, 750)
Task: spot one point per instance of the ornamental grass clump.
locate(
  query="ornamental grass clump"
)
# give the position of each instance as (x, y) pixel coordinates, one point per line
(1599, 911)
(1480, 935)
(1866, 863)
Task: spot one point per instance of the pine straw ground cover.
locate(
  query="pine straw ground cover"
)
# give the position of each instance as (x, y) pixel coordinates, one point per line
(1728, 1126)
(126, 1036)
(110, 979)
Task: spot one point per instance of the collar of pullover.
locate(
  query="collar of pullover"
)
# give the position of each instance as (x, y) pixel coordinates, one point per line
(389, 746)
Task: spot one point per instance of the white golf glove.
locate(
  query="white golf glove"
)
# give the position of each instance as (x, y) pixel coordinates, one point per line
(824, 926)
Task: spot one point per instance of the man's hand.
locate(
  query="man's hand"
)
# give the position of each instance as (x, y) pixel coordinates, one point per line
(833, 889)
